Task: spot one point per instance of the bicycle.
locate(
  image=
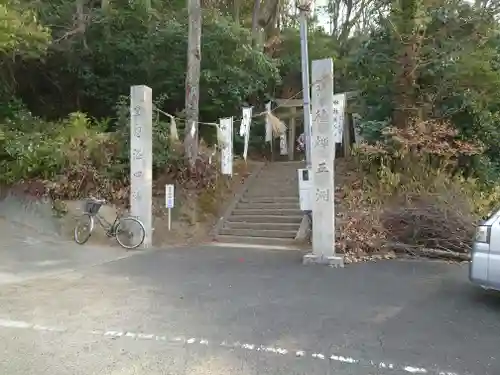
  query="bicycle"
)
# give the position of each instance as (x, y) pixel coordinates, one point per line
(130, 227)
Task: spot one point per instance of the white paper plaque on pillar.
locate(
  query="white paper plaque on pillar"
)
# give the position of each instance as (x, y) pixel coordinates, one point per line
(226, 159)
(322, 166)
(338, 116)
(141, 157)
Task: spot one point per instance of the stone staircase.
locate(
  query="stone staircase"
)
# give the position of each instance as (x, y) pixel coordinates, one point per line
(268, 212)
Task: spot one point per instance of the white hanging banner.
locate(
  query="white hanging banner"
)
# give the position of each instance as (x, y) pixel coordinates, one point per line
(226, 158)
(221, 137)
(247, 120)
(283, 144)
(269, 128)
(338, 116)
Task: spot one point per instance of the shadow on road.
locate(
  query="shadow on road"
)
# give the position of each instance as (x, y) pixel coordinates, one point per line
(409, 311)
(31, 245)
(236, 310)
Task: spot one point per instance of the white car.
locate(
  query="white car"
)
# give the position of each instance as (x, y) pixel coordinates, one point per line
(484, 268)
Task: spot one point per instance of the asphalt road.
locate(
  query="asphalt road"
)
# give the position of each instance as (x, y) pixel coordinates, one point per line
(213, 310)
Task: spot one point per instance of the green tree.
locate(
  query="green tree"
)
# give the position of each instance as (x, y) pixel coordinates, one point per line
(452, 73)
(20, 32)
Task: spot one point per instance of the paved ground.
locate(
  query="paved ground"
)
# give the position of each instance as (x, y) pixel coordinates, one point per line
(27, 254)
(211, 310)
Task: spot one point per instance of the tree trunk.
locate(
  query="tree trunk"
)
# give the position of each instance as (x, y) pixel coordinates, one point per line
(255, 21)
(268, 14)
(406, 101)
(409, 25)
(193, 80)
(105, 5)
(236, 11)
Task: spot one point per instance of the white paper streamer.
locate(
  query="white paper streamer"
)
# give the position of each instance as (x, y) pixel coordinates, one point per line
(338, 117)
(246, 122)
(226, 159)
(174, 135)
(269, 129)
(283, 144)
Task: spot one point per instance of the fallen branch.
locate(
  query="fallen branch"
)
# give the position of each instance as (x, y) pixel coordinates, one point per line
(398, 247)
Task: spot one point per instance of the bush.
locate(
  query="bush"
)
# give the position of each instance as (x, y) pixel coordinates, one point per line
(413, 193)
(74, 155)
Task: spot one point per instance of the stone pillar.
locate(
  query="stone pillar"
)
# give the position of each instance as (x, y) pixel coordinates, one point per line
(322, 166)
(141, 157)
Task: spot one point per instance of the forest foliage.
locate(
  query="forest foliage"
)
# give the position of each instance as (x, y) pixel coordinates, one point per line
(66, 67)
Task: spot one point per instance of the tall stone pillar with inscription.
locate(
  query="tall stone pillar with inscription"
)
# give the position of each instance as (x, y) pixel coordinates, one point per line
(322, 166)
(141, 157)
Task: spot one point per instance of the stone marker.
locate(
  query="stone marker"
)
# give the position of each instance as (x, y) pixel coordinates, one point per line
(322, 166)
(141, 157)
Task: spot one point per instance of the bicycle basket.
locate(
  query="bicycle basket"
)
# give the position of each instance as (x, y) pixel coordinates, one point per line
(91, 207)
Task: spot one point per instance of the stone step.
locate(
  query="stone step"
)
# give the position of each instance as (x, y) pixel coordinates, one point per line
(255, 240)
(265, 212)
(278, 177)
(289, 169)
(275, 180)
(259, 233)
(270, 199)
(269, 205)
(295, 219)
(282, 167)
(275, 184)
(291, 173)
(259, 194)
(261, 225)
(273, 191)
(282, 190)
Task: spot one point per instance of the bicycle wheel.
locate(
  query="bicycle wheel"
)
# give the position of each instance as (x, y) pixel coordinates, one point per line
(83, 229)
(130, 232)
